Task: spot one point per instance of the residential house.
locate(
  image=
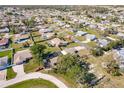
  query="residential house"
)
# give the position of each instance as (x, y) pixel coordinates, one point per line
(102, 28)
(47, 35)
(4, 30)
(20, 38)
(103, 42)
(81, 33)
(51, 58)
(121, 35)
(57, 42)
(41, 31)
(4, 42)
(72, 50)
(119, 56)
(90, 37)
(22, 56)
(93, 26)
(3, 62)
(67, 26)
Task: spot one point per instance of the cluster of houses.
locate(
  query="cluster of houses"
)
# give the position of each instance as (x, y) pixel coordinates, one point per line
(52, 25)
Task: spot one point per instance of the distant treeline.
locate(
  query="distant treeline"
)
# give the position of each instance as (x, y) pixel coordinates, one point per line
(63, 7)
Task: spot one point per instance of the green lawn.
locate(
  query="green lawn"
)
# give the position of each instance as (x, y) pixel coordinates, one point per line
(37, 38)
(80, 38)
(92, 44)
(36, 33)
(69, 82)
(114, 36)
(72, 45)
(6, 53)
(10, 74)
(31, 66)
(48, 48)
(93, 31)
(65, 79)
(34, 83)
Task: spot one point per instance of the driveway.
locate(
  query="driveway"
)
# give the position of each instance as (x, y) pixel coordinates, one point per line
(34, 75)
(19, 69)
(3, 74)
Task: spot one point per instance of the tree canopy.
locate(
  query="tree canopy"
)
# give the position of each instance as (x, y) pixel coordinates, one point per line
(74, 68)
(38, 53)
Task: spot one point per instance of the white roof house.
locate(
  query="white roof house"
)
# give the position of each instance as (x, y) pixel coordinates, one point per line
(47, 35)
(120, 35)
(90, 37)
(45, 30)
(4, 30)
(103, 42)
(3, 62)
(72, 50)
(81, 33)
(56, 42)
(22, 56)
(120, 57)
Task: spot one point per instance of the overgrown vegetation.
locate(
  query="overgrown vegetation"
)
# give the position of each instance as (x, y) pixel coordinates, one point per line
(112, 45)
(113, 69)
(97, 51)
(75, 69)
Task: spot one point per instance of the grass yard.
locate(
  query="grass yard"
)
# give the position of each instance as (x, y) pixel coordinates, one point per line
(34, 83)
(72, 45)
(36, 33)
(20, 45)
(81, 38)
(30, 66)
(70, 33)
(37, 38)
(16, 46)
(109, 81)
(84, 52)
(5, 53)
(10, 74)
(52, 49)
(114, 36)
(49, 48)
(94, 32)
(92, 44)
(65, 79)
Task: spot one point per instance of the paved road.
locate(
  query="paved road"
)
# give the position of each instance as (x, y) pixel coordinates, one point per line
(33, 75)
